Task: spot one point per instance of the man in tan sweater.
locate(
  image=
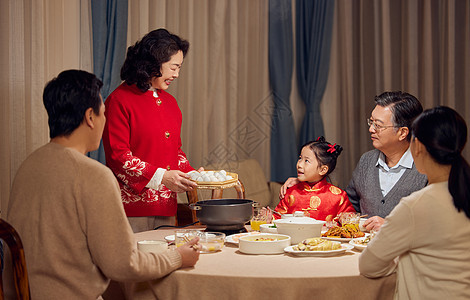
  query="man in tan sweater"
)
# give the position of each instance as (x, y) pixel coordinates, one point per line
(67, 207)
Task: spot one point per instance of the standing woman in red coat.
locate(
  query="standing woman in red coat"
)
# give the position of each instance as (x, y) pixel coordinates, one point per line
(141, 138)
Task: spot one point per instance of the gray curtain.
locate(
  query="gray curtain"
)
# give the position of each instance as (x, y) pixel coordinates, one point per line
(283, 140)
(109, 26)
(314, 22)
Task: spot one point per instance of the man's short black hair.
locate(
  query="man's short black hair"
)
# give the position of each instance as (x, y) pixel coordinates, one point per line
(404, 107)
(66, 99)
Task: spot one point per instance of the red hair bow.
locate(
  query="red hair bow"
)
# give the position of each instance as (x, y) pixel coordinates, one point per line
(332, 148)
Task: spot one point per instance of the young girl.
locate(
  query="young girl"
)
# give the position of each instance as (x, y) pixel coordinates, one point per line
(313, 194)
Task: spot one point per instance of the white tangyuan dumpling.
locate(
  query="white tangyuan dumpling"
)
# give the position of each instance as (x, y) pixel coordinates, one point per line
(222, 172)
(219, 177)
(210, 173)
(213, 178)
(205, 177)
(228, 177)
(194, 175)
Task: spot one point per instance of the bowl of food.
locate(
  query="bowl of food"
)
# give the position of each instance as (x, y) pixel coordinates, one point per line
(211, 241)
(264, 243)
(361, 243)
(299, 228)
(267, 228)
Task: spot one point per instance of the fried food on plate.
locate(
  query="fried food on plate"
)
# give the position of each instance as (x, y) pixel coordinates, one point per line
(345, 231)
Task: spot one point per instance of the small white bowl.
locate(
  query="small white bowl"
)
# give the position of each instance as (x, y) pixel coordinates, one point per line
(155, 246)
(299, 228)
(267, 228)
(264, 243)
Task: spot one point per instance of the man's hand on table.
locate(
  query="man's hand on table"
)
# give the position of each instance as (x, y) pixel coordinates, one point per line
(373, 223)
(189, 253)
(290, 182)
(178, 181)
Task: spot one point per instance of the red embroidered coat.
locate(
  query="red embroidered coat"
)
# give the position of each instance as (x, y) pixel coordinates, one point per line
(319, 200)
(142, 133)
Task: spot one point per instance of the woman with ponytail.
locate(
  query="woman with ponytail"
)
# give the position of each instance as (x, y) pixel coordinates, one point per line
(426, 238)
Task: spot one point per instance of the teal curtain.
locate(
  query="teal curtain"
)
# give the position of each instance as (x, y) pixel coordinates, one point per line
(109, 26)
(283, 140)
(314, 22)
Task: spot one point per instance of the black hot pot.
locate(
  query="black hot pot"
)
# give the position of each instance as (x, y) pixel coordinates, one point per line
(224, 214)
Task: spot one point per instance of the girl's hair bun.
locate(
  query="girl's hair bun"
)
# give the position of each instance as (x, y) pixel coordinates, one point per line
(338, 150)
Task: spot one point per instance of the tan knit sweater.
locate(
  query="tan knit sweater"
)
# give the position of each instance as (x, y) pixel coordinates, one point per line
(431, 239)
(68, 212)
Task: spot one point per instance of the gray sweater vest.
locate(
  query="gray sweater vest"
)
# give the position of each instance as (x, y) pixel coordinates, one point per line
(364, 188)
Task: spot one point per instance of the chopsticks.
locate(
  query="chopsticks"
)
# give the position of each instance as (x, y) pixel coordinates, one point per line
(187, 240)
(363, 216)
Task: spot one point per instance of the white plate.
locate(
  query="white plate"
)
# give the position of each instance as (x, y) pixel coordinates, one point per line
(342, 240)
(233, 239)
(343, 249)
(359, 247)
(170, 238)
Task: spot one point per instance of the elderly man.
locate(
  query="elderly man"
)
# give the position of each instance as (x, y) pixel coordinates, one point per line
(67, 207)
(386, 174)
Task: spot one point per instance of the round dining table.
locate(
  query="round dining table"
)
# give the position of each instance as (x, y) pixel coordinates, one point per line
(230, 274)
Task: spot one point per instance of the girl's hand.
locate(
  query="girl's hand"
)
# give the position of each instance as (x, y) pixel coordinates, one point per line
(291, 181)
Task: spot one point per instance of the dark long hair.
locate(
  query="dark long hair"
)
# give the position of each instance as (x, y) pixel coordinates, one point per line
(326, 153)
(444, 133)
(144, 60)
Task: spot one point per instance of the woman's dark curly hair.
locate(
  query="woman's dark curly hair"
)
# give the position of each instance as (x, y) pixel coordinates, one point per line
(325, 153)
(144, 60)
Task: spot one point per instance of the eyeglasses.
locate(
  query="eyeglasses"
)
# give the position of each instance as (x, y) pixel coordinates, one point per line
(376, 126)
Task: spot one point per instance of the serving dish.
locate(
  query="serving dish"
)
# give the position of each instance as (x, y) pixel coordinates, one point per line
(343, 240)
(344, 248)
(217, 184)
(267, 228)
(264, 243)
(299, 228)
(359, 242)
(234, 238)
